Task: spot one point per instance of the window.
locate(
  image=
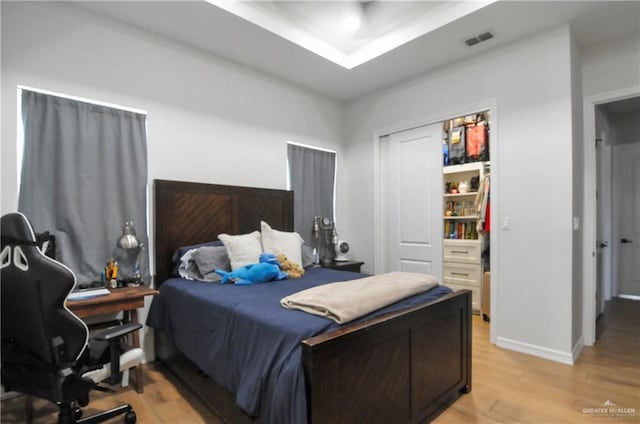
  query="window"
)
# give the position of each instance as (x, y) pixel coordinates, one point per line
(84, 173)
(312, 178)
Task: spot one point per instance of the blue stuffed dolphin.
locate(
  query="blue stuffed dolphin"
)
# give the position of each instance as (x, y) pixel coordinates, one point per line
(264, 271)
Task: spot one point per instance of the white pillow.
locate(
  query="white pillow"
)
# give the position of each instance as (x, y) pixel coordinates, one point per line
(289, 244)
(243, 249)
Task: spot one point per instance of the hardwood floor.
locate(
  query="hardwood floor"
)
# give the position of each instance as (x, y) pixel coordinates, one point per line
(512, 387)
(508, 387)
(165, 400)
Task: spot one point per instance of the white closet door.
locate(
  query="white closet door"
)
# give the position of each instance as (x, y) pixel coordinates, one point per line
(627, 203)
(412, 198)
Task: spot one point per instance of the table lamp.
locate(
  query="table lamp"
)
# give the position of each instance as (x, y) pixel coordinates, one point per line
(131, 244)
(325, 236)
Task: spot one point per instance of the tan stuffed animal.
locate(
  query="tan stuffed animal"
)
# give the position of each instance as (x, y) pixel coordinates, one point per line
(293, 269)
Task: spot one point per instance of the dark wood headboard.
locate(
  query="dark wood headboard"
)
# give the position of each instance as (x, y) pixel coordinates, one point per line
(189, 213)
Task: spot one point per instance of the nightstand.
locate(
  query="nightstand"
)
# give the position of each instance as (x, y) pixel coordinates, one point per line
(351, 266)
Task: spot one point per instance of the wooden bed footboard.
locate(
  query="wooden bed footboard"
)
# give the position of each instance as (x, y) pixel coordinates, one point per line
(404, 367)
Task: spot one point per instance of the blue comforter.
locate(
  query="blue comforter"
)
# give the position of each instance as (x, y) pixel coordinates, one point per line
(247, 342)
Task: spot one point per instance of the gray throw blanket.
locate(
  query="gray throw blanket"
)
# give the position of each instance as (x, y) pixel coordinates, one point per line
(348, 300)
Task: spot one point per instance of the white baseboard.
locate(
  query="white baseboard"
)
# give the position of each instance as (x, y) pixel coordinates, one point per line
(629, 296)
(577, 349)
(541, 352)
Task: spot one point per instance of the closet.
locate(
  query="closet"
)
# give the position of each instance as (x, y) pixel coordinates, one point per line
(467, 207)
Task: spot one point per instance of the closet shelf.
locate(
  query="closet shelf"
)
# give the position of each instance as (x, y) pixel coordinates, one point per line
(464, 167)
(468, 194)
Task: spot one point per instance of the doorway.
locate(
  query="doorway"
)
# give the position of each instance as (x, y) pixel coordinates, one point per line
(612, 204)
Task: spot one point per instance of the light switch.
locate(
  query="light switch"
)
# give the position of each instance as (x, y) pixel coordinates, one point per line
(506, 223)
(576, 223)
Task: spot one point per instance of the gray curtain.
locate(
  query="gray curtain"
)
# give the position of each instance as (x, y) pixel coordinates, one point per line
(312, 175)
(84, 173)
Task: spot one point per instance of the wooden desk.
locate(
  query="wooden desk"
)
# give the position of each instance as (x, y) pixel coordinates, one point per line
(126, 300)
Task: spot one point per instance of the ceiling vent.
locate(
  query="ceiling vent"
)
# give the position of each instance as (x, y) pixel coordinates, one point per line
(472, 41)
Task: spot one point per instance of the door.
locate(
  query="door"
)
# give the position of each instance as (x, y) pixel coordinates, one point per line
(601, 240)
(600, 277)
(627, 213)
(412, 190)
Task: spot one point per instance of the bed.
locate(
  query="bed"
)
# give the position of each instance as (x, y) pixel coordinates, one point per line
(402, 365)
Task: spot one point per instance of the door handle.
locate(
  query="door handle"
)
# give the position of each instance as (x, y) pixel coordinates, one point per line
(604, 244)
(624, 240)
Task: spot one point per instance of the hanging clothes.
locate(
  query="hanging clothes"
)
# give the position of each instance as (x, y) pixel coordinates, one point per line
(481, 204)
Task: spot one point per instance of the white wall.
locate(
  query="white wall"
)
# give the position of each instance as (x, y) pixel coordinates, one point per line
(208, 119)
(611, 66)
(577, 185)
(531, 83)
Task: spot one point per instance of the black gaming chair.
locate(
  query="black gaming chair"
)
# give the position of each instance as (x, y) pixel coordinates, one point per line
(45, 347)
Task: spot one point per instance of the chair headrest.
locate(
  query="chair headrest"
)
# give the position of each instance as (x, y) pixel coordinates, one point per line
(16, 229)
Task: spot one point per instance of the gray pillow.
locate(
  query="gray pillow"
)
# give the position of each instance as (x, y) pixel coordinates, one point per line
(205, 260)
(180, 252)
